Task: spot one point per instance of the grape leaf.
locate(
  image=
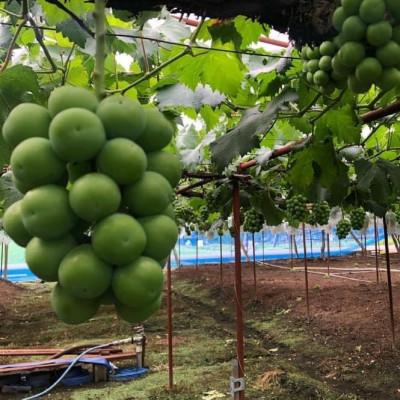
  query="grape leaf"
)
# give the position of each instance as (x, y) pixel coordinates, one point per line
(249, 30)
(221, 71)
(317, 167)
(70, 29)
(18, 84)
(225, 32)
(343, 124)
(264, 203)
(245, 136)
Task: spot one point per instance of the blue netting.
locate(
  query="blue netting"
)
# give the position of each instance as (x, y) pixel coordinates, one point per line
(269, 246)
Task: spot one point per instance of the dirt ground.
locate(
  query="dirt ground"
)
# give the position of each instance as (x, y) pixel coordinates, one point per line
(346, 306)
(343, 353)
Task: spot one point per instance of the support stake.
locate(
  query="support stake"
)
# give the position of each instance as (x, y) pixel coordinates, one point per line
(306, 272)
(170, 327)
(389, 281)
(329, 253)
(238, 287)
(291, 252)
(197, 250)
(220, 260)
(263, 252)
(376, 249)
(254, 264)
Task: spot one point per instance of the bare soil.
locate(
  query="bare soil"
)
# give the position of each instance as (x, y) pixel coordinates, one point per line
(348, 307)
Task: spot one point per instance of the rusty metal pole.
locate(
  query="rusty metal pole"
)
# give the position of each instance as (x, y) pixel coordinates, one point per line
(263, 252)
(220, 259)
(376, 250)
(291, 251)
(1, 260)
(170, 327)
(329, 253)
(179, 252)
(197, 250)
(306, 272)
(6, 262)
(238, 285)
(389, 282)
(365, 244)
(254, 264)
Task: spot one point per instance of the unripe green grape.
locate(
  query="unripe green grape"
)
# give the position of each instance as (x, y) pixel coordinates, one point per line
(343, 228)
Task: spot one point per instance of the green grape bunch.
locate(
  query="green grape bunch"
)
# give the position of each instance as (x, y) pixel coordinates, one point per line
(312, 220)
(343, 228)
(397, 214)
(297, 208)
(203, 223)
(84, 165)
(357, 218)
(321, 211)
(220, 230)
(365, 51)
(253, 221)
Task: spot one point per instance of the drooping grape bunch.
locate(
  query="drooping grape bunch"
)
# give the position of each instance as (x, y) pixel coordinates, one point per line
(184, 215)
(357, 218)
(397, 214)
(296, 207)
(311, 219)
(343, 228)
(253, 221)
(366, 50)
(203, 219)
(322, 212)
(96, 216)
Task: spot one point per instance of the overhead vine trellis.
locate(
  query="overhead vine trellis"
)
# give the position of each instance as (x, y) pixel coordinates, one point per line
(300, 113)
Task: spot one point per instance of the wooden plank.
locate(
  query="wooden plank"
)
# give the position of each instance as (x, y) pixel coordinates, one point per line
(50, 351)
(47, 365)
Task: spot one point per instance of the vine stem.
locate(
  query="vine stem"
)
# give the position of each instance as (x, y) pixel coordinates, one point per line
(10, 49)
(98, 74)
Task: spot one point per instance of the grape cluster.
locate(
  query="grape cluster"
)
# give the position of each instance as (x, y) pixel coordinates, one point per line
(203, 221)
(343, 228)
(96, 216)
(253, 221)
(297, 208)
(397, 214)
(366, 50)
(220, 230)
(183, 212)
(357, 218)
(321, 211)
(311, 219)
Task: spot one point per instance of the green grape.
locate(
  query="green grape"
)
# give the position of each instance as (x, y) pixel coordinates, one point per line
(343, 228)
(312, 220)
(297, 208)
(321, 211)
(253, 221)
(397, 214)
(357, 218)
(204, 214)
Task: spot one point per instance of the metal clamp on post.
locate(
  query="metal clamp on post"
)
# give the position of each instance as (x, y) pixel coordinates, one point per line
(237, 385)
